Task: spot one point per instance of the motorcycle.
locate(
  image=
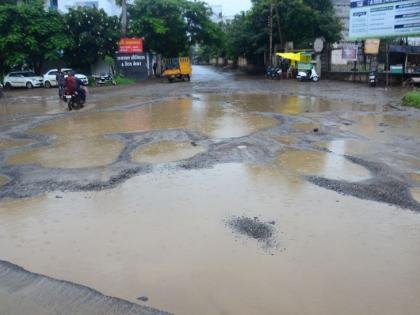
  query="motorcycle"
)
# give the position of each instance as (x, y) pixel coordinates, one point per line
(309, 75)
(372, 79)
(273, 73)
(103, 79)
(74, 101)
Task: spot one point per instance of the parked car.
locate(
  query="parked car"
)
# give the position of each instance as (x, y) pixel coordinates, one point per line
(26, 79)
(1, 90)
(50, 79)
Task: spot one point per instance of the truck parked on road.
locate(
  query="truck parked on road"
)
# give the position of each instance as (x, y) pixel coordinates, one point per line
(177, 69)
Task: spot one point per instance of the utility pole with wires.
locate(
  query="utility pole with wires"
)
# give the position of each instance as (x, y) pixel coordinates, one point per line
(270, 29)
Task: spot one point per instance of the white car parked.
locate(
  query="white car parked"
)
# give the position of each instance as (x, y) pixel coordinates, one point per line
(26, 79)
(50, 77)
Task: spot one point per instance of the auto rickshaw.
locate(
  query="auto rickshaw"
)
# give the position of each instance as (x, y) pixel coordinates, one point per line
(177, 69)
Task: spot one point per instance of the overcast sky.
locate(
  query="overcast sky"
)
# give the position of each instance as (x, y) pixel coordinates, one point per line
(231, 7)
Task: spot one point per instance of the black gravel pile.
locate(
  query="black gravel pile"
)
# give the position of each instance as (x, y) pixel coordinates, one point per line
(253, 228)
(385, 185)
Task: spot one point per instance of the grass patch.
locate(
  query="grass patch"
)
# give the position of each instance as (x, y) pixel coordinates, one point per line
(412, 99)
(122, 80)
(91, 81)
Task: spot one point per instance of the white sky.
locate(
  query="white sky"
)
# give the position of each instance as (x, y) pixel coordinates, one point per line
(231, 7)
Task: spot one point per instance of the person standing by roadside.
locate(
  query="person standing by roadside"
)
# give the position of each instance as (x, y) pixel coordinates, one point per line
(60, 81)
(155, 68)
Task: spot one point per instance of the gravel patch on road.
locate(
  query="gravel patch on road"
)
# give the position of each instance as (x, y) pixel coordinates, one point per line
(253, 228)
(386, 185)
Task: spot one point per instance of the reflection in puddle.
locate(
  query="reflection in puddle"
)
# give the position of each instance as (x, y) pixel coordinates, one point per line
(3, 180)
(80, 141)
(384, 127)
(166, 151)
(285, 139)
(163, 235)
(305, 126)
(290, 105)
(11, 143)
(415, 192)
(347, 147)
(72, 153)
(322, 164)
(25, 104)
(208, 118)
(415, 177)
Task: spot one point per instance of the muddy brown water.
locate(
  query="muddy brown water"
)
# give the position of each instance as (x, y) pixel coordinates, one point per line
(83, 135)
(9, 144)
(3, 180)
(162, 234)
(384, 127)
(166, 151)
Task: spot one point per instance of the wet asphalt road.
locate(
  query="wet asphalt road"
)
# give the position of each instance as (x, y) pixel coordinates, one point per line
(347, 143)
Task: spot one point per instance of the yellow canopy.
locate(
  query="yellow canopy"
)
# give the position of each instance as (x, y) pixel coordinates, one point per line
(299, 57)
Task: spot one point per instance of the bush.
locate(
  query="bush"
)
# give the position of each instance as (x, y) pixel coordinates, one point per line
(122, 80)
(412, 99)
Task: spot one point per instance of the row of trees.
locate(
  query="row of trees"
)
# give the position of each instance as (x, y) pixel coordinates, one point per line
(31, 34)
(297, 21)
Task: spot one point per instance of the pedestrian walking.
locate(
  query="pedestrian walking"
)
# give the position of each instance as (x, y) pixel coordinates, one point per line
(60, 81)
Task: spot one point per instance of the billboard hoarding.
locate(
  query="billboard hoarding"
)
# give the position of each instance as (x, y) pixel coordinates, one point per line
(384, 18)
(372, 46)
(349, 52)
(133, 65)
(130, 45)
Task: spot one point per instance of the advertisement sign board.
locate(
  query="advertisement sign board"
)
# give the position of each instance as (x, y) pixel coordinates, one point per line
(382, 18)
(349, 52)
(134, 65)
(130, 45)
(337, 57)
(372, 46)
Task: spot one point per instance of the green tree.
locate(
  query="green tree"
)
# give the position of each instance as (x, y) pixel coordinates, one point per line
(93, 35)
(170, 27)
(299, 21)
(217, 46)
(30, 35)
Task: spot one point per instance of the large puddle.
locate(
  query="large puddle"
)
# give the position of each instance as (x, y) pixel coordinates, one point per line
(322, 164)
(384, 127)
(46, 101)
(3, 180)
(89, 152)
(163, 236)
(11, 143)
(80, 143)
(166, 151)
(291, 105)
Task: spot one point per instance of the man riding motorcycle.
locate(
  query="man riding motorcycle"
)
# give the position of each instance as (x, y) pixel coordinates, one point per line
(75, 88)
